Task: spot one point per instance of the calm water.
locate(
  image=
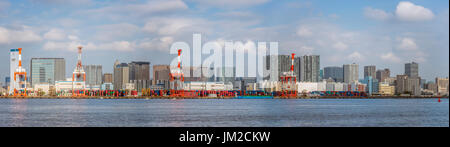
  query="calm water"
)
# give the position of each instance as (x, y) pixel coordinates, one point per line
(216, 113)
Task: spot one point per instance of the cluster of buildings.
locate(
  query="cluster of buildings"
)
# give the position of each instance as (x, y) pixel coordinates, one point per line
(47, 76)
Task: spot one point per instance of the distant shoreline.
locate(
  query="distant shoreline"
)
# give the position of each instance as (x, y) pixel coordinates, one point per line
(143, 97)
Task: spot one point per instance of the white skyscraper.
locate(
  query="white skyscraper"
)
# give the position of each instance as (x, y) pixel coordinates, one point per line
(14, 62)
(351, 73)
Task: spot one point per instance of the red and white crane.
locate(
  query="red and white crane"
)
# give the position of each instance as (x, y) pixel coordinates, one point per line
(177, 76)
(289, 81)
(79, 77)
(20, 78)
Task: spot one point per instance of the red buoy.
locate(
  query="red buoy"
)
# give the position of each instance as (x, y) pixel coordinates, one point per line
(439, 100)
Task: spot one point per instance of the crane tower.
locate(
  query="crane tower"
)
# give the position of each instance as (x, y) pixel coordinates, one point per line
(79, 77)
(177, 76)
(20, 78)
(289, 81)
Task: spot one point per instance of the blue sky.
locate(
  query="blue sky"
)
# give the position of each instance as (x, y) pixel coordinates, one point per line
(385, 33)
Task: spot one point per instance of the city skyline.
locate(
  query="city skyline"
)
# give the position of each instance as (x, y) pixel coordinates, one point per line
(367, 33)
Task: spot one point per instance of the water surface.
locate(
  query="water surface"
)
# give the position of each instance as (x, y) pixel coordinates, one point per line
(223, 112)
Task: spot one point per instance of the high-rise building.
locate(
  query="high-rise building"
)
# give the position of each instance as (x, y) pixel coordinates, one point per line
(140, 75)
(226, 74)
(382, 75)
(372, 84)
(408, 85)
(309, 68)
(283, 64)
(139, 70)
(94, 74)
(121, 75)
(400, 86)
(412, 69)
(7, 81)
(442, 86)
(107, 78)
(321, 75)
(370, 71)
(351, 73)
(335, 73)
(161, 74)
(47, 70)
(14, 63)
(422, 83)
(413, 86)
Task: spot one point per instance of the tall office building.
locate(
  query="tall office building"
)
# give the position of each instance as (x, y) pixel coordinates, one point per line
(121, 75)
(107, 78)
(400, 86)
(14, 62)
(335, 73)
(161, 74)
(382, 75)
(139, 70)
(7, 81)
(408, 85)
(283, 63)
(351, 73)
(309, 68)
(226, 74)
(370, 71)
(94, 74)
(321, 75)
(442, 86)
(47, 70)
(372, 85)
(412, 69)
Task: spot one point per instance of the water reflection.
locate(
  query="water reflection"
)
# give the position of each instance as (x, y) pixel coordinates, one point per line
(19, 109)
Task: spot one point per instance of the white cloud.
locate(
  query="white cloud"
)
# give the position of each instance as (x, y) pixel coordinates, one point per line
(23, 35)
(304, 32)
(407, 11)
(111, 32)
(73, 37)
(64, 2)
(171, 26)
(116, 45)
(307, 50)
(161, 44)
(407, 44)
(377, 14)
(230, 3)
(145, 9)
(55, 34)
(236, 14)
(58, 46)
(340, 46)
(72, 46)
(355, 56)
(390, 57)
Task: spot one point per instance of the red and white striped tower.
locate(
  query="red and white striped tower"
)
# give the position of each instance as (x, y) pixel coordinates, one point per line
(76, 77)
(20, 78)
(289, 81)
(177, 76)
(292, 64)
